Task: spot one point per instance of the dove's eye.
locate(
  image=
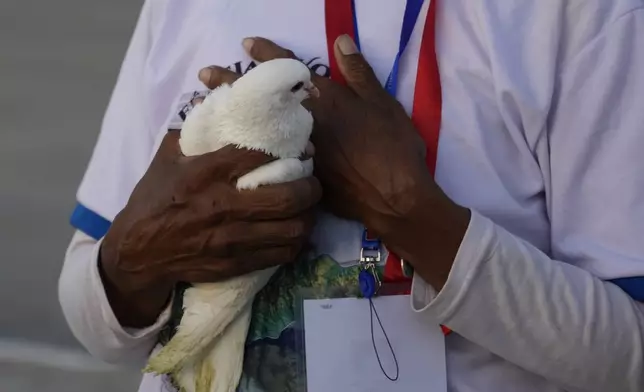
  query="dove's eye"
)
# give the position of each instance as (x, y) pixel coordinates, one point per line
(298, 86)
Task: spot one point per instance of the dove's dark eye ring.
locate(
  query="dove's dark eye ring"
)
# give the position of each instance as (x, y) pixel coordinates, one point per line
(298, 86)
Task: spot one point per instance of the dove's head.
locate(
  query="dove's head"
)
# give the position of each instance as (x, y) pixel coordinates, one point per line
(286, 79)
(263, 110)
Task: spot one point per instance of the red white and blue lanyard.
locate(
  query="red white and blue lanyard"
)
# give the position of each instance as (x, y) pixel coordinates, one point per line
(340, 17)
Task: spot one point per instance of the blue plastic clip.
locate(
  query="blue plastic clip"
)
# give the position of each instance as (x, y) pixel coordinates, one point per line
(367, 283)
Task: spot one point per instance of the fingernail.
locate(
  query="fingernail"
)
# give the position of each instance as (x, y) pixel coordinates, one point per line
(248, 43)
(346, 45)
(204, 74)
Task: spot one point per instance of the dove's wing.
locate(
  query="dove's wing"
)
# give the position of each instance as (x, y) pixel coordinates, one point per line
(199, 134)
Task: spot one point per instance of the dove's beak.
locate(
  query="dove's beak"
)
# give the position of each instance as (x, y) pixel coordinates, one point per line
(313, 91)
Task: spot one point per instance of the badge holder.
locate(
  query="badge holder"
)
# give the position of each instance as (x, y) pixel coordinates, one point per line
(367, 285)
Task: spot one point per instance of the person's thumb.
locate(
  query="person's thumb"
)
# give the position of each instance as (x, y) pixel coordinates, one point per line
(355, 69)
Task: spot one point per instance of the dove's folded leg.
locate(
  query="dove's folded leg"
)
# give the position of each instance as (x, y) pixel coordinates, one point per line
(208, 309)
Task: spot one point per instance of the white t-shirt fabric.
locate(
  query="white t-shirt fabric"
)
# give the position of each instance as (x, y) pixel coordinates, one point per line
(541, 137)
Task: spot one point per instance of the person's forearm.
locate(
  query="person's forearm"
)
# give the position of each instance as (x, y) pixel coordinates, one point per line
(88, 312)
(549, 317)
(429, 234)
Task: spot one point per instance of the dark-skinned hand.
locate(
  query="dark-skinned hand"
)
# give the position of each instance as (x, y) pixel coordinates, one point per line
(371, 161)
(186, 222)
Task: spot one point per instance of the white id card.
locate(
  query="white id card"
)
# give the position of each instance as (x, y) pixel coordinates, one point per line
(340, 355)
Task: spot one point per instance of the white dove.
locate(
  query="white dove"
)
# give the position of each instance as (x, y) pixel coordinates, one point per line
(261, 111)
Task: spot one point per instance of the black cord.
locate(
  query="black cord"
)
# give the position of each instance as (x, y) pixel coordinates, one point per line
(375, 349)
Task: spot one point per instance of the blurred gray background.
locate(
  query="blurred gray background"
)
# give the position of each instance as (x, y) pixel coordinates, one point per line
(58, 63)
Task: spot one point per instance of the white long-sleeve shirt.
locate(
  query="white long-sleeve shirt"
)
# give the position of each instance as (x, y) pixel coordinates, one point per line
(89, 313)
(542, 128)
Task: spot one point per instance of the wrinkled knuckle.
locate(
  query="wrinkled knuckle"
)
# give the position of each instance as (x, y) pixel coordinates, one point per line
(359, 69)
(223, 242)
(288, 196)
(222, 204)
(361, 72)
(297, 229)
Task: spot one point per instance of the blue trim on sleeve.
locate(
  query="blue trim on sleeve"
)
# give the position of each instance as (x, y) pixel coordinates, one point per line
(634, 287)
(89, 222)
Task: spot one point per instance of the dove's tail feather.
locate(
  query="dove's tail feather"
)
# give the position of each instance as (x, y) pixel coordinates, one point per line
(209, 309)
(186, 379)
(220, 370)
(226, 357)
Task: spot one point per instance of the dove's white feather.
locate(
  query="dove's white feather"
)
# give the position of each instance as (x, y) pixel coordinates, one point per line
(260, 111)
(257, 113)
(281, 170)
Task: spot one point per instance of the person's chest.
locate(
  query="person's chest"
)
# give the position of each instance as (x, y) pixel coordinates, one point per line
(481, 163)
(205, 33)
